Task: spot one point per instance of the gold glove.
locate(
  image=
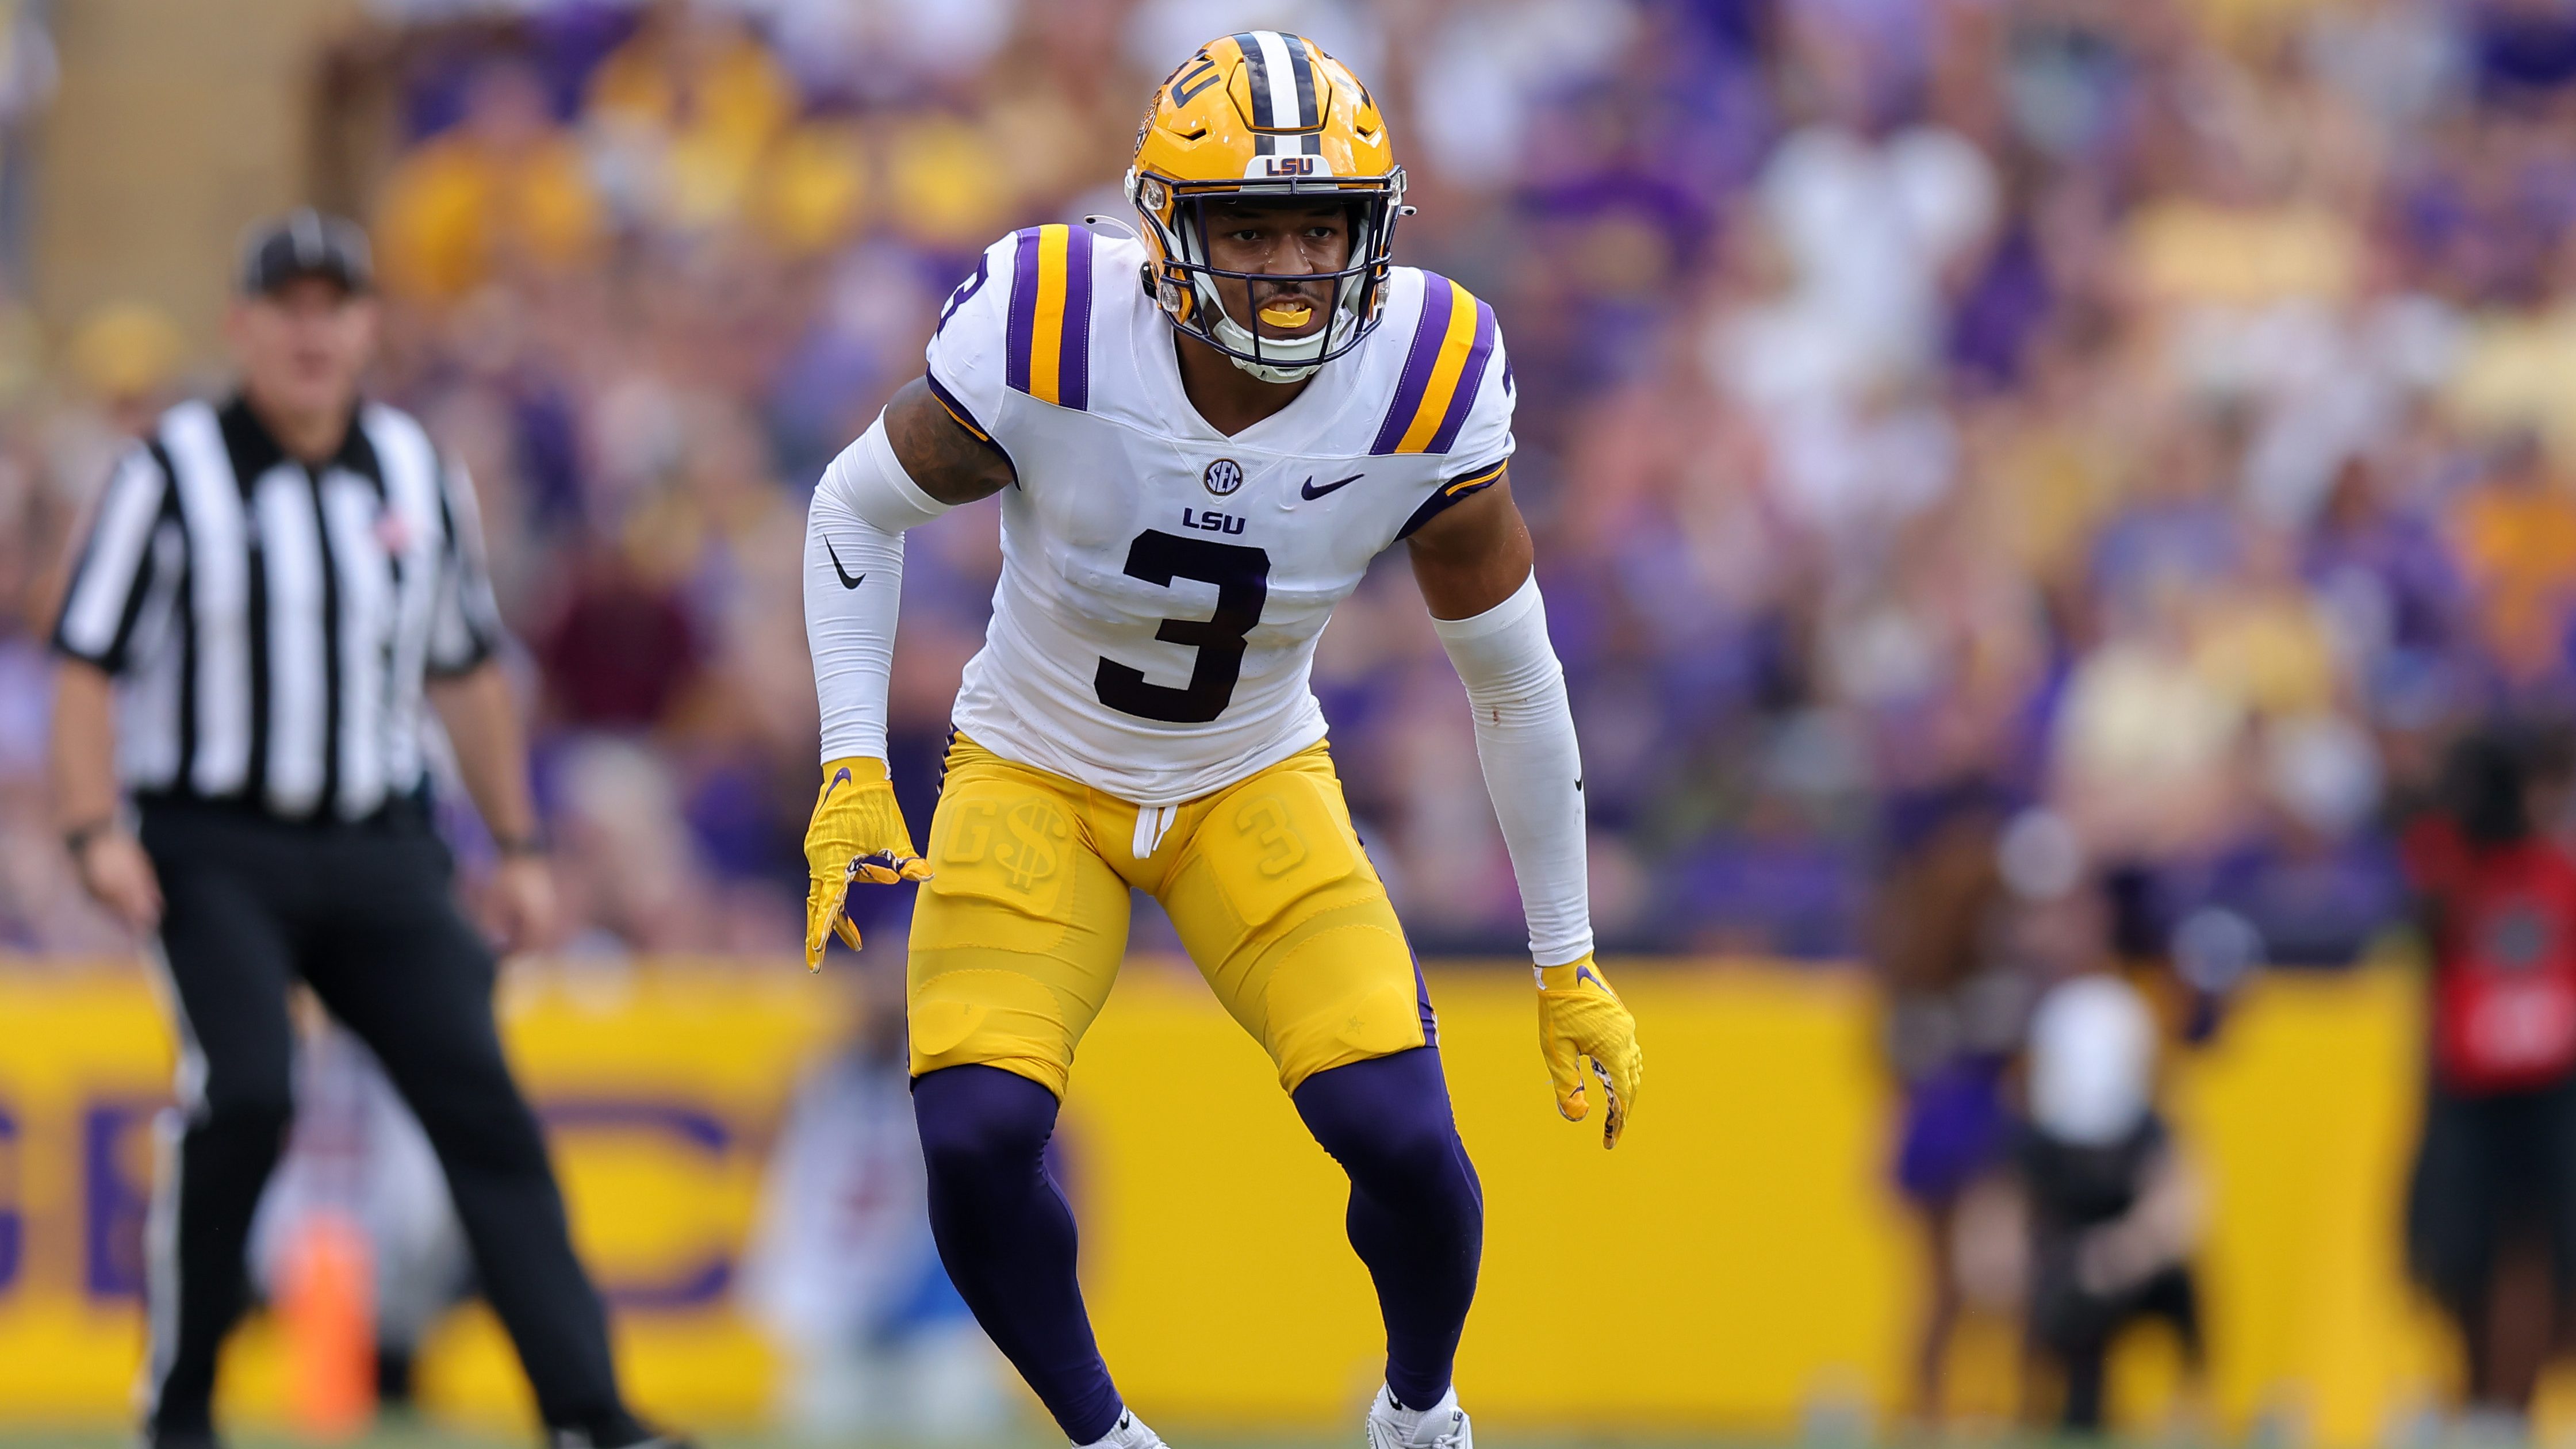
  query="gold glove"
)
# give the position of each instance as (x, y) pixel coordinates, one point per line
(857, 835)
(1580, 1017)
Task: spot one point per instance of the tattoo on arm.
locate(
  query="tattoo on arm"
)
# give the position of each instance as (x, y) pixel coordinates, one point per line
(950, 463)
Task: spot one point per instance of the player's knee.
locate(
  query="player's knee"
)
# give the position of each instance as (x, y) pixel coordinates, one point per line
(1411, 1142)
(248, 1103)
(254, 1127)
(480, 1119)
(976, 1120)
(1387, 1117)
(1419, 1155)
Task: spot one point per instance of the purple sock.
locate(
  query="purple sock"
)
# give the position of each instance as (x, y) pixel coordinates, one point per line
(1417, 1215)
(1007, 1237)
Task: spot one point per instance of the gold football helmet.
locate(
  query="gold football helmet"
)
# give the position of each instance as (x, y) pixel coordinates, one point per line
(1262, 114)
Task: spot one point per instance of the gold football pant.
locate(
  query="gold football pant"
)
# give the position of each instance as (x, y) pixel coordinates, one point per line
(1018, 934)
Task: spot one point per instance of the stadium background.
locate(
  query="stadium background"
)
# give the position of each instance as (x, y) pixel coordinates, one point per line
(2156, 412)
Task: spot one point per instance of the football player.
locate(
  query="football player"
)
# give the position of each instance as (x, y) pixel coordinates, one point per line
(1201, 437)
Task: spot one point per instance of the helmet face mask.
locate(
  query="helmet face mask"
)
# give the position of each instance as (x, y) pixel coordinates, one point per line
(1193, 289)
(1264, 118)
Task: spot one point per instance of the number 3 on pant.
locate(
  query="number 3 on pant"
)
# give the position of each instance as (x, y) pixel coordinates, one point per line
(1264, 821)
(1241, 574)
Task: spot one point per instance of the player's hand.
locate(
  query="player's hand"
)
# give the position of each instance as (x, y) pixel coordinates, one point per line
(118, 875)
(1580, 1020)
(858, 836)
(521, 903)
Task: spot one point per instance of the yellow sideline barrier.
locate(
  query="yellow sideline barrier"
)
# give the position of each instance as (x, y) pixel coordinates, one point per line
(1737, 1262)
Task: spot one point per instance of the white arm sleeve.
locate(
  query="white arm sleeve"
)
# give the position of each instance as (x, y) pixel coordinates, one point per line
(854, 531)
(1525, 741)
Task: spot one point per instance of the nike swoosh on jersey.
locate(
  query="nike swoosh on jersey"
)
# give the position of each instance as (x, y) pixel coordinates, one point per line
(1309, 491)
(847, 582)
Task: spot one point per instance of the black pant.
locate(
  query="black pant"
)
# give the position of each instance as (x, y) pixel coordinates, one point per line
(2074, 1329)
(2492, 1168)
(363, 914)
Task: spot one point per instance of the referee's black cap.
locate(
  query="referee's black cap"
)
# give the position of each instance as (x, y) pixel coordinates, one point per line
(304, 243)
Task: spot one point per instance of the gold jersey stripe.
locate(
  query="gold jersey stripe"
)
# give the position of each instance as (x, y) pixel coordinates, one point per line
(1452, 362)
(1046, 340)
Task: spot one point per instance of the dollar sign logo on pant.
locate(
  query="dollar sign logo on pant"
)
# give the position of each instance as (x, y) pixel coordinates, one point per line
(1034, 845)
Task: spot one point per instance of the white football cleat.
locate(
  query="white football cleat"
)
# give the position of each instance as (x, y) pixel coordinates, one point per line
(1128, 1433)
(1442, 1426)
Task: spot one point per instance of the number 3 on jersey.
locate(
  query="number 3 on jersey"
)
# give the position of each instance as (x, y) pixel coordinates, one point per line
(1242, 577)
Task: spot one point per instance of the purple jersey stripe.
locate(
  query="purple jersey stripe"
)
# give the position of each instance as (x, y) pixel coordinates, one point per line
(1470, 378)
(1438, 296)
(1073, 369)
(1024, 305)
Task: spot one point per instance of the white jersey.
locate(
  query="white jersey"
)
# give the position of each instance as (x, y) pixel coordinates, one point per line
(1163, 584)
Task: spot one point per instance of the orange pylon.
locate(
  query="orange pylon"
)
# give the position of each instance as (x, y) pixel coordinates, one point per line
(330, 1315)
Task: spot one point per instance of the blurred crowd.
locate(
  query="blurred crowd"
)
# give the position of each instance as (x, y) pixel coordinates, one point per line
(2140, 428)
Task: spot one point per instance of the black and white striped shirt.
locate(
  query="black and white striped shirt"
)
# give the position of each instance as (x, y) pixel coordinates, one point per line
(270, 623)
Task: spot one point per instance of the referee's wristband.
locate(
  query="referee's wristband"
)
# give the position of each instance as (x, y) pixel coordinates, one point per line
(520, 847)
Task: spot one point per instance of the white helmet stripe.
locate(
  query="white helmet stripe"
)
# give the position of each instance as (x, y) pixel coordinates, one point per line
(1285, 113)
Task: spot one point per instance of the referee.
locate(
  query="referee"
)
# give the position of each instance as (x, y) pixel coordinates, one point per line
(271, 588)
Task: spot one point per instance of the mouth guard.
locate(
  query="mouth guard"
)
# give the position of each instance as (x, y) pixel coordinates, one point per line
(1287, 314)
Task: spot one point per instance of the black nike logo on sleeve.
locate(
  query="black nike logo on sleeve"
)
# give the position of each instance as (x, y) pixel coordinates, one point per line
(847, 581)
(1309, 491)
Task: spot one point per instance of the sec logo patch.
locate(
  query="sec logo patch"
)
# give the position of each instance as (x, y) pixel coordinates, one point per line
(1223, 476)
